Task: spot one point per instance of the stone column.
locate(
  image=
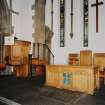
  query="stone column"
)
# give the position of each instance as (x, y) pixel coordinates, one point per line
(39, 27)
(48, 36)
(42, 33)
(39, 21)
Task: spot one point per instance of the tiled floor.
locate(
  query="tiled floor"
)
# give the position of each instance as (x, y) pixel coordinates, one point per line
(27, 92)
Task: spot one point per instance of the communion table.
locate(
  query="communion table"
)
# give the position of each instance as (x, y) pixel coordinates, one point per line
(75, 78)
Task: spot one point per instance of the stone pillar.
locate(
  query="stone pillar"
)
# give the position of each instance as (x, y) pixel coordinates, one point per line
(39, 21)
(48, 36)
(42, 33)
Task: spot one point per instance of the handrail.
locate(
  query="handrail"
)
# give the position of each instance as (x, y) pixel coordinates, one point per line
(42, 51)
(46, 45)
(49, 49)
(51, 53)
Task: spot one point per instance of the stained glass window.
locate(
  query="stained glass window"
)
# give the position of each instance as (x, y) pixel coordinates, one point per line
(85, 39)
(62, 23)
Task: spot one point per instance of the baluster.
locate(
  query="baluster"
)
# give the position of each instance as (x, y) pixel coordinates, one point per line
(38, 50)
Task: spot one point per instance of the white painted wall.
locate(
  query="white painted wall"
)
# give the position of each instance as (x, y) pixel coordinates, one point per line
(71, 45)
(96, 40)
(26, 19)
(48, 13)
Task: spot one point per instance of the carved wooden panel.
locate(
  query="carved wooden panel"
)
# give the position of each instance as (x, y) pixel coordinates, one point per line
(52, 77)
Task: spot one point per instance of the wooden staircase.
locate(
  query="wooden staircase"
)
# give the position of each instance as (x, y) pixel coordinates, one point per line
(36, 61)
(37, 68)
(41, 56)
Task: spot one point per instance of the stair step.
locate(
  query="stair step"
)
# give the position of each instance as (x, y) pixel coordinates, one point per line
(36, 61)
(38, 70)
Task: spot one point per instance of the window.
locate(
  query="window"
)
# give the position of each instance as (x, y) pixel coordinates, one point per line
(62, 23)
(85, 39)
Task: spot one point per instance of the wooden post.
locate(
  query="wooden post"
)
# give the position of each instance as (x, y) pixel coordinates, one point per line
(38, 51)
(1, 47)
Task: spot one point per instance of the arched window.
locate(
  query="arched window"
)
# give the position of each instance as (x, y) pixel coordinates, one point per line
(85, 39)
(62, 23)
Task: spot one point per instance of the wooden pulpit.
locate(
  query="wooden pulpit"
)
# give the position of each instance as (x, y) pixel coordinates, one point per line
(17, 56)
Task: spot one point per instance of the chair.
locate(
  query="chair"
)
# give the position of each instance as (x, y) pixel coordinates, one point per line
(86, 58)
(73, 59)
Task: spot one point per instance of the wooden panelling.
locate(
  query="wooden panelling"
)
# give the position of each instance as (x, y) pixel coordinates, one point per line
(76, 78)
(52, 76)
(86, 58)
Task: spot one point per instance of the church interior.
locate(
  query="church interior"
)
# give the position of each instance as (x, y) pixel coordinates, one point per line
(52, 52)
